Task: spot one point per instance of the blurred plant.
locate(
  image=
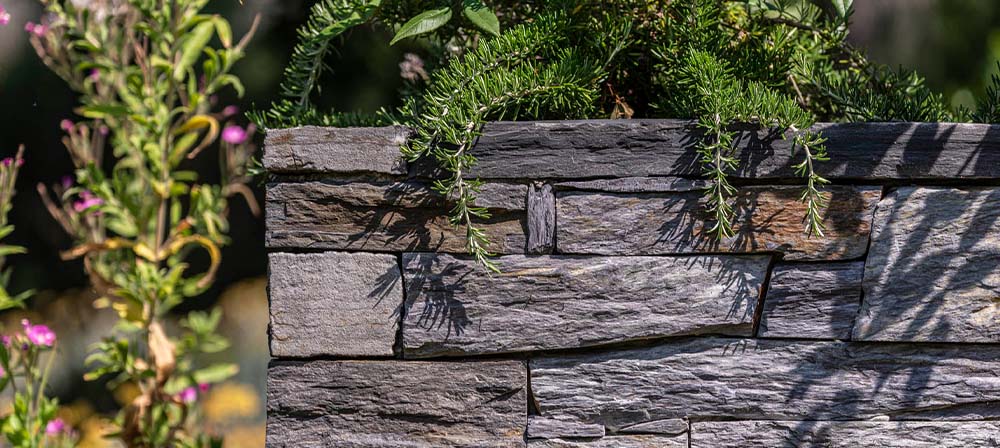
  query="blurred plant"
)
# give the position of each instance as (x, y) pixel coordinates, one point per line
(8, 178)
(32, 423)
(4, 16)
(147, 73)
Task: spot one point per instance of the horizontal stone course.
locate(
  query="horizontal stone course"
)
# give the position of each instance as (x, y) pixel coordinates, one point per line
(334, 304)
(396, 404)
(769, 219)
(761, 434)
(812, 300)
(634, 441)
(933, 272)
(455, 307)
(710, 378)
(312, 149)
(386, 217)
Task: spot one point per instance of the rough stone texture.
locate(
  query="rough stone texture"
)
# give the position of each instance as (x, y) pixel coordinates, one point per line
(668, 426)
(386, 216)
(812, 301)
(313, 149)
(933, 273)
(758, 434)
(769, 219)
(633, 441)
(636, 185)
(454, 307)
(548, 428)
(624, 148)
(710, 378)
(396, 404)
(541, 219)
(334, 304)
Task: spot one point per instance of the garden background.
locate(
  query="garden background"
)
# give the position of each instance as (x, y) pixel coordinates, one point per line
(954, 43)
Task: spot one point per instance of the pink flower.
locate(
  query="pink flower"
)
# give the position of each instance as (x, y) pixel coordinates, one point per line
(55, 427)
(7, 162)
(4, 16)
(203, 387)
(229, 111)
(67, 182)
(66, 125)
(87, 201)
(35, 28)
(95, 75)
(6, 341)
(234, 135)
(188, 395)
(39, 335)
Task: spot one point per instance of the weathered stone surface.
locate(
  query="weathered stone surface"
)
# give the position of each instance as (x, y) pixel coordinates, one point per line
(386, 216)
(622, 148)
(812, 301)
(709, 378)
(334, 304)
(768, 219)
(396, 404)
(313, 149)
(548, 428)
(636, 185)
(933, 273)
(454, 307)
(760, 434)
(667, 426)
(541, 219)
(633, 441)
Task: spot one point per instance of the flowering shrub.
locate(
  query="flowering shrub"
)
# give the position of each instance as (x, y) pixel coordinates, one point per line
(147, 74)
(32, 423)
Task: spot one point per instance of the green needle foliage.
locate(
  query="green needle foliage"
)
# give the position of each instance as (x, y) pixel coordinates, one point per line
(778, 64)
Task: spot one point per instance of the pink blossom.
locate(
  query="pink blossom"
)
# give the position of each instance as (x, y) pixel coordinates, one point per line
(229, 111)
(35, 28)
(87, 201)
(6, 341)
(203, 387)
(94, 75)
(55, 427)
(66, 125)
(66, 182)
(188, 395)
(4, 16)
(7, 162)
(234, 135)
(39, 335)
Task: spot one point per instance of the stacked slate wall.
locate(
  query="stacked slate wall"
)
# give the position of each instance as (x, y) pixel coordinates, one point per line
(616, 321)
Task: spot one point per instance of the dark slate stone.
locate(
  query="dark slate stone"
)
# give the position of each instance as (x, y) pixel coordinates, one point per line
(633, 441)
(313, 149)
(636, 185)
(812, 301)
(764, 434)
(334, 304)
(454, 307)
(386, 217)
(358, 404)
(623, 148)
(541, 219)
(711, 379)
(768, 219)
(933, 272)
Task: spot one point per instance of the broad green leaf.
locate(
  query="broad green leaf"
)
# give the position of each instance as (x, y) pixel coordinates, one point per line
(102, 111)
(481, 16)
(223, 30)
(192, 47)
(842, 7)
(424, 22)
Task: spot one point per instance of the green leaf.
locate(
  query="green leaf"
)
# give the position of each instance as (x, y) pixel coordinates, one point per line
(481, 16)
(215, 373)
(842, 7)
(192, 47)
(223, 30)
(103, 111)
(424, 22)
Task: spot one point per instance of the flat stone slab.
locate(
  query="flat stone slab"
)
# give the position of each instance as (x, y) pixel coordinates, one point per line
(312, 149)
(714, 378)
(454, 307)
(632, 441)
(769, 219)
(812, 300)
(933, 272)
(334, 304)
(622, 148)
(396, 404)
(386, 217)
(761, 434)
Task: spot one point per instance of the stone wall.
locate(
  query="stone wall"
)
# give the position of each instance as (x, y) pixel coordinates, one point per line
(616, 321)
